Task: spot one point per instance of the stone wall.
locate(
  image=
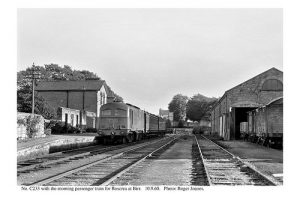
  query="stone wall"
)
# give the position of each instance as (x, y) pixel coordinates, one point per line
(29, 126)
(44, 148)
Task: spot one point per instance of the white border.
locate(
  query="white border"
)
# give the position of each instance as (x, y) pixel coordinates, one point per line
(8, 52)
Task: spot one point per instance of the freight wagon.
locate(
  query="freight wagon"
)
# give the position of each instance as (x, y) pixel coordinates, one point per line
(265, 124)
(127, 123)
(244, 129)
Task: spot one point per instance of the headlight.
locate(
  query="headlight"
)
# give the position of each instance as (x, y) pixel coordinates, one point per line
(112, 133)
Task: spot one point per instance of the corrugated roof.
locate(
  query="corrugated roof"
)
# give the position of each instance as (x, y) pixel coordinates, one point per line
(70, 85)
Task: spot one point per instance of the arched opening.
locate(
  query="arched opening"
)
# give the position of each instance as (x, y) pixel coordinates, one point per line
(272, 85)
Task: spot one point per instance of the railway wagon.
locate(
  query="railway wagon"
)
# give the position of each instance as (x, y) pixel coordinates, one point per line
(244, 129)
(162, 124)
(157, 125)
(126, 123)
(153, 123)
(265, 124)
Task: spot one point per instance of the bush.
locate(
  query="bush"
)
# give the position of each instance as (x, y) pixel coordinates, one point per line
(181, 124)
(61, 127)
(198, 130)
(91, 130)
(31, 123)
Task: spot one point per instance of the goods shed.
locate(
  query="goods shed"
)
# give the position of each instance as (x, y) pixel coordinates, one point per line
(232, 108)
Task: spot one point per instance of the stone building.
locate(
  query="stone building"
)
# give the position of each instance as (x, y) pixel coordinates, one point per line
(233, 106)
(77, 102)
(166, 114)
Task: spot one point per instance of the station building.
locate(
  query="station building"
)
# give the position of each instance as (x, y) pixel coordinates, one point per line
(77, 102)
(233, 106)
(166, 114)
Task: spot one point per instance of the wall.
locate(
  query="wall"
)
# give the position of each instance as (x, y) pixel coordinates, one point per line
(75, 100)
(70, 112)
(90, 101)
(23, 120)
(59, 144)
(55, 99)
(71, 99)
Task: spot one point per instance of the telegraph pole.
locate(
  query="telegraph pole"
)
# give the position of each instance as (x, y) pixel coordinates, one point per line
(33, 76)
(33, 83)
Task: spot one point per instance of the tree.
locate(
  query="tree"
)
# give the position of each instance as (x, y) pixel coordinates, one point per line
(24, 102)
(117, 97)
(181, 124)
(48, 73)
(198, 107)
(178, 106)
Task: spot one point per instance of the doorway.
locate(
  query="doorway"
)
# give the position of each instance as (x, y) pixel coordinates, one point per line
(240, 116)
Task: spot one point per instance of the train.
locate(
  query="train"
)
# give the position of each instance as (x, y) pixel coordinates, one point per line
(265, 124)
(124, 123)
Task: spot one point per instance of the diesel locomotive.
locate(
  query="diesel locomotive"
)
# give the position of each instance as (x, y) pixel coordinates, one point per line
(120, 122)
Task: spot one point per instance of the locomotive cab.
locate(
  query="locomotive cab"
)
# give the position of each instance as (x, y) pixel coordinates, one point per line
(113, 120)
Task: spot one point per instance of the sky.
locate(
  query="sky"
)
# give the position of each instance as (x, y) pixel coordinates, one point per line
(149, 55)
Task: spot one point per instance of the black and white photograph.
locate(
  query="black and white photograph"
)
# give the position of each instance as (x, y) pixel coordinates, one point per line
(172, 97)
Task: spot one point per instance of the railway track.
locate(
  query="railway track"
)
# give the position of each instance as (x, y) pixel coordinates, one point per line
(224, 168)
(104, 170)
(167, 167)
(66, 157)
(211, 165)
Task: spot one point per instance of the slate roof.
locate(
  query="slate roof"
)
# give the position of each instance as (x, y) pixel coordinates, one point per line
(220, 99)
(271, 69)
(70, 85)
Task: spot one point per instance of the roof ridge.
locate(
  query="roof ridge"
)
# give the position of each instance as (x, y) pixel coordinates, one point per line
(68, 80)
(273, 68)
(71, 85)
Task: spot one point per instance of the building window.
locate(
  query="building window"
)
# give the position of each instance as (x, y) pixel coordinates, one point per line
(272, 85)
(120, 112)
(66, 118)
(100, 98)
(106, 112)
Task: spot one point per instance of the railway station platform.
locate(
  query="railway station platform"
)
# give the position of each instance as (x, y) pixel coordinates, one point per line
(53, 143)
(266, 160)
